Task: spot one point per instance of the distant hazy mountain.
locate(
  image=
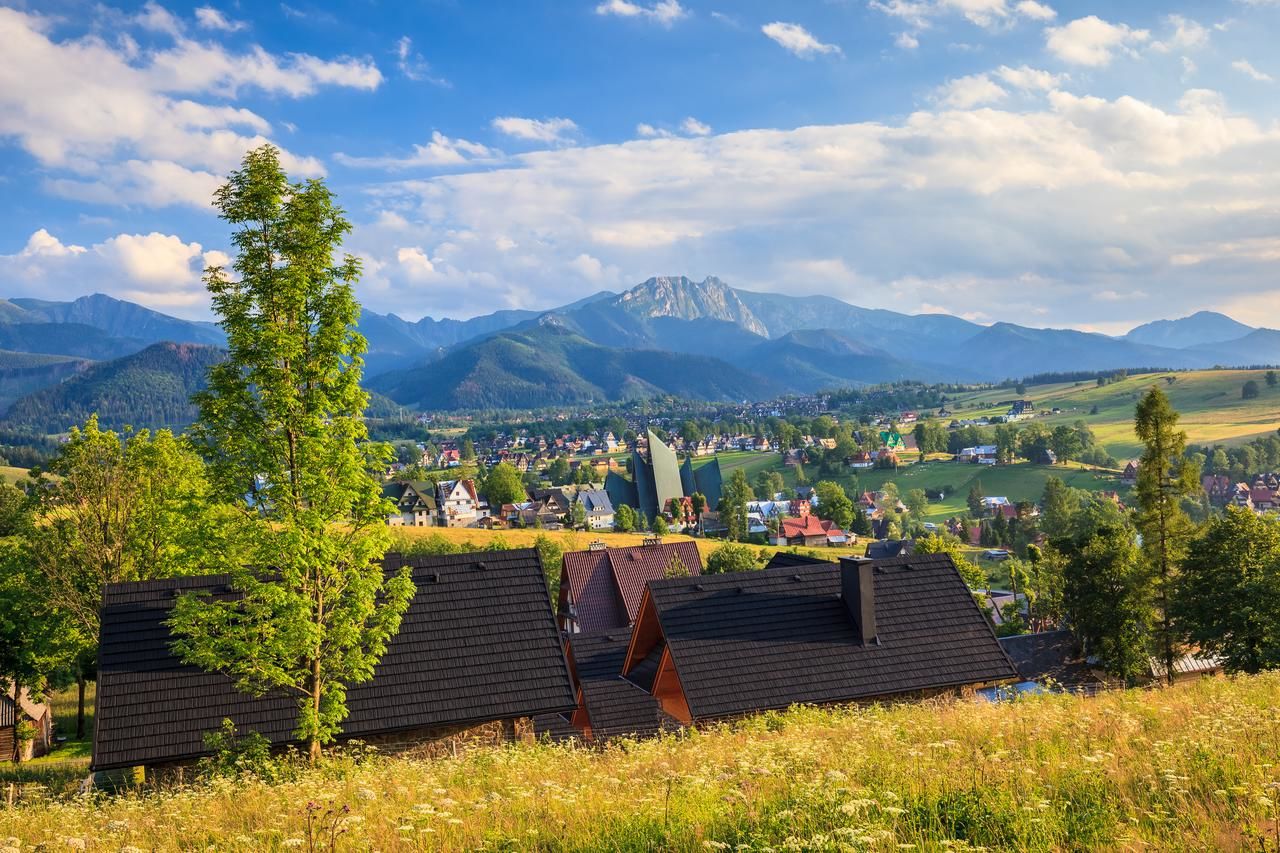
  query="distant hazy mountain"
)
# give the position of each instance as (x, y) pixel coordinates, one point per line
(23, 373)
(1201, 328)
(121, 319)
(151, 388)
(547, 364)
(667, 335)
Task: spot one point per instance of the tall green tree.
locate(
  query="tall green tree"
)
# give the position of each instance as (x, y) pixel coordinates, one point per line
(834, 503)
(282, 420)
(1228, 600)
(502, 485)
(118, 508)
(1165, 477)
(733, 505)
(1106, 588)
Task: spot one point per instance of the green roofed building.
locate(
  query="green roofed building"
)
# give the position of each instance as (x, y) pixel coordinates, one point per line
(661, 477)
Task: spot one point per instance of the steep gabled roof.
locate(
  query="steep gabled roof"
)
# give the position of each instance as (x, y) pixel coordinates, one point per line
(1048, 656)
(615, 706)
(607, 584)
(478, 643)
(752, 641)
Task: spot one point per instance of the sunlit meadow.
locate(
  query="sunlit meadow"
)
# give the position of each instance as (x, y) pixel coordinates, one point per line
(1189, 768)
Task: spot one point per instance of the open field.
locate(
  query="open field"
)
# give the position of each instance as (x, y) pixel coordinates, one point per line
(1209, 401)
(1188, 768)
(11, 475)
(1019, 482)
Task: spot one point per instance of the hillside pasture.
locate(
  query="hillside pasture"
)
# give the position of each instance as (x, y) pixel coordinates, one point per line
(1209, 401)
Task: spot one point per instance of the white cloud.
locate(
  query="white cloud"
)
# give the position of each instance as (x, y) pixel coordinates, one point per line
(906, 41)
(412, 66)
(210, 18)
(158, 270)
(663, 12)
(693, 127)
(119, 125)
(971, 91)
(1029, 79)
(1245, 67)
(1092, 41)
(551, 130)
(416, 264)
(1035, 11)
(1186, 35)
(440, 151)
(1033, 211)
(797, 40)
(1189, 68)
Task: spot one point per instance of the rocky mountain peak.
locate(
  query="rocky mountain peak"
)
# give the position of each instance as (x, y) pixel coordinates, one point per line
(684, 299)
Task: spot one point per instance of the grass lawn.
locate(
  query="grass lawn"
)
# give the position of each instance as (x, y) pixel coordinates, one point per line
(750, 462)
(1208, 400)
(1018, 482)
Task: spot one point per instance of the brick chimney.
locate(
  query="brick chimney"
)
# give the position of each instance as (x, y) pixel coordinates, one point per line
(858, 589)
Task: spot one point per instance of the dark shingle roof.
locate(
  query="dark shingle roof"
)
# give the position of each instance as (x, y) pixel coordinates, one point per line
(615, 706)
(1049, 655)
(476, 644)
(608, 584)
(783, 559)
(886, 548)
(758, 640)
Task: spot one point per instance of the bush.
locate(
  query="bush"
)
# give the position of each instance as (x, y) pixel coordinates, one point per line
(238, 756)
(731, 557)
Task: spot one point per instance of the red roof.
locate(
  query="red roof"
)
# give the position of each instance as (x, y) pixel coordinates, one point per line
(810, 525)
(1261, 495)
(1007, 510)
(607, 584)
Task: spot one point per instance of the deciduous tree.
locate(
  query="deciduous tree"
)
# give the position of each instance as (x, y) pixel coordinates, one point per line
(282, 420)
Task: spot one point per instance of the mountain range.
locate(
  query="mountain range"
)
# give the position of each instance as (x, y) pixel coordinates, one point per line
(665, 336)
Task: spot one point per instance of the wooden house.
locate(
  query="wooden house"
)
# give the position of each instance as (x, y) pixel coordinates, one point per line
(477, 658)
(20, 707)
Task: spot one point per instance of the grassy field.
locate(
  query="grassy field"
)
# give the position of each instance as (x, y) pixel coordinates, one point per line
(1019, 482)
(1188, 768)
(1209, 401)
(11, 475)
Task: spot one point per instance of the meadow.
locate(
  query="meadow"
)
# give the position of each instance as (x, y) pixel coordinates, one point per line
(1193, 767)
(1209, 401)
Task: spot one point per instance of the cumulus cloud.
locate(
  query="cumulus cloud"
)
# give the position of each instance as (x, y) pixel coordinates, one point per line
(797, 40)
(440, 151)
(693, 127)
(663, 12)
(116, 124)
(413, 66)
(1246, 68)
(1092, 41)
(967, 92)
(1185, 34)
(210, 18)
(989, 14)
(1031, 210)
(551, 130)
(1029, 79)
(159, 270)
(1036, 11)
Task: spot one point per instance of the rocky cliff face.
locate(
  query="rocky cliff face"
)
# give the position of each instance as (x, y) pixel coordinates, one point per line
(685, 299)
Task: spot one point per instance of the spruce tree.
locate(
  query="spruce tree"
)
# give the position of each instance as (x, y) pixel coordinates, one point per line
(281, 426)
(1165, 477)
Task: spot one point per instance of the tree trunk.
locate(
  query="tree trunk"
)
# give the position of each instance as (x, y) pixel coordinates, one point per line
(80, 685)
(313, 741)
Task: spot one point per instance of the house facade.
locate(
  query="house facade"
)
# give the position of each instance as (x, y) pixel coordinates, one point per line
(460, 505)
(14, 708)
(415, 504)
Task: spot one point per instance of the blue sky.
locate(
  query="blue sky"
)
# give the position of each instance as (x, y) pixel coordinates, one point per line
(1093, 165)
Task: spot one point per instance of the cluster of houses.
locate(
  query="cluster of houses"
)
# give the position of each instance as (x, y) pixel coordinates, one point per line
(1262, 495)
(458, 503)
(639, 641)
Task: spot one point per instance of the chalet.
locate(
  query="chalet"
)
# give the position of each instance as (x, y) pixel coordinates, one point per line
(610, 705)
(476, 623)
(1186, 667)
(721, 646)
(983, 454)
(460, 505)
(1218, 487)
(415, 503)
(552, 500)
(1130, 474)
(1262, 497)
(1051, 659)
(810, 531)
(600, 588)
(1019, 409)
(599, 510)
(884, 549)
(14, 708)
(862, 459)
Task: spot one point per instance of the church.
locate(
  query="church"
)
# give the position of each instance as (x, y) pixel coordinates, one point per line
(661, 477)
